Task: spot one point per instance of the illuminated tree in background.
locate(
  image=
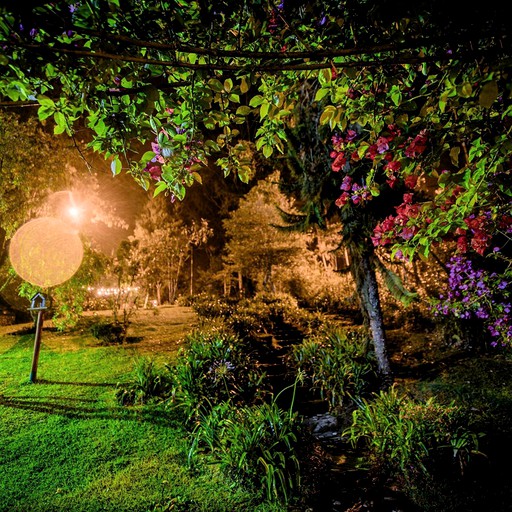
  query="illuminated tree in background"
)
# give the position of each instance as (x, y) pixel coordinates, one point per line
(256, 246)
(159, 245)
(414, 99)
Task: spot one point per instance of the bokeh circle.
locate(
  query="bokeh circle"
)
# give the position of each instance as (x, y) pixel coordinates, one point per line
(46, 252)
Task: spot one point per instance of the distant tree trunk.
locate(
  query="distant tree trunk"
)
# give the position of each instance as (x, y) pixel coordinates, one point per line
(159, 294)
(368, 293)
(240, 285)
(169, 282)
(191, 269)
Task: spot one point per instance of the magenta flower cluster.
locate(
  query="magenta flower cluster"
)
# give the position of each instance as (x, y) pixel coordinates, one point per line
(476, 293)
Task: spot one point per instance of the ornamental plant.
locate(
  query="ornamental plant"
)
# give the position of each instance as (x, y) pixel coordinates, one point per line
(407, 437)
(477, 293)
(337, 364)
(256, 445)
(214, 367)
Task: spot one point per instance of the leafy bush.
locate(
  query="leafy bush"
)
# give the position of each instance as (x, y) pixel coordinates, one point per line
(408, 437)
(149, 383)
(109, 332)
(215, 367)
(208, 307)
(336, 363)
(243, 323)
(254, 444)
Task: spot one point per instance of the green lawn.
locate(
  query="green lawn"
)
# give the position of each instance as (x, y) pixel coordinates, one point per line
(68, 446)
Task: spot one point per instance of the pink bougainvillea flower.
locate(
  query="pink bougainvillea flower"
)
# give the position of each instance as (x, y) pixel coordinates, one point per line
(411, 181)
(393, 166)
(339, 162)
(155, 171)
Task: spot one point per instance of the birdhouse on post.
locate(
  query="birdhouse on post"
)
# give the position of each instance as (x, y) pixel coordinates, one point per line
(37, 304)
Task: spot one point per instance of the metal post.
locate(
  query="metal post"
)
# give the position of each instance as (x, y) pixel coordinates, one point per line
(37, 346)
(38, 304)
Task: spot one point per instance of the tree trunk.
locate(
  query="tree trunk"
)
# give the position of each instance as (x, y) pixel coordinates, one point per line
(191, 270)
(240, 284)
(368, 293)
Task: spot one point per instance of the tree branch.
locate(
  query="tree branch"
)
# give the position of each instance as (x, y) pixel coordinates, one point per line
(271, 68)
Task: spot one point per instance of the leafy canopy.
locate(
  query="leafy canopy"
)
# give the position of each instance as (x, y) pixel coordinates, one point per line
(415, 94)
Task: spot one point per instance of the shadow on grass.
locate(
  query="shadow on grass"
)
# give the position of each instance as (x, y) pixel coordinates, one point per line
(72, 408)
(86, 384)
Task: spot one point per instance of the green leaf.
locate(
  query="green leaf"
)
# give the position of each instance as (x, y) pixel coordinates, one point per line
(228, 85)
(147, 156)
(44, 112)
(116, 166)
(215, 85)
(465, 90)
(328, 114)
(180, 137)
(155, 124)
(321, 93)
(265, 107)
(209, 123)
(58, 129)
(60, 123)
(267, 150)
(45, 101)
(488, 94)
(325, 76)
(454, 156)
(243, 110)
(244, 86)
(256, 101)
(396, 95)
(161, 186)
(197, 177)
(244, 174)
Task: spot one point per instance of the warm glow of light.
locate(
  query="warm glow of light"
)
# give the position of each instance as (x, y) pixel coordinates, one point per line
(107, 292)
(46, 252)
(75, 212)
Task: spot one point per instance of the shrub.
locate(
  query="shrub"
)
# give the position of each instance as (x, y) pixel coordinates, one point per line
(253, 444)
(214, 367)
(108, 332)
(208, 307)
(336, 363)
(149, 383)
(243, 323)
(410, 438)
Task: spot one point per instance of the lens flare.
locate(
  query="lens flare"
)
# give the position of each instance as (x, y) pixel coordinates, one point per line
(46, 252)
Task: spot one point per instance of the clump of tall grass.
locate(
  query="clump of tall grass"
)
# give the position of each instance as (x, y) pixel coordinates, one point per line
(214, 367)
(406, 437)
(149, 383)
(254, 444)
(336, 363)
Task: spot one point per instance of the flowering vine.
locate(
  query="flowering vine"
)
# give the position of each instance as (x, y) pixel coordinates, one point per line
(476, 293)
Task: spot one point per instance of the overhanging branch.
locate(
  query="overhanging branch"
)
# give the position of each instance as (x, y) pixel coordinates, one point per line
(251, 67)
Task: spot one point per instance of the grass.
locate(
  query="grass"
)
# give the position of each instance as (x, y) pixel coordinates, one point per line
(68, 446)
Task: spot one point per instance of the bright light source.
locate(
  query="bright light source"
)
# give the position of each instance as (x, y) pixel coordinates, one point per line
(74, 212)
